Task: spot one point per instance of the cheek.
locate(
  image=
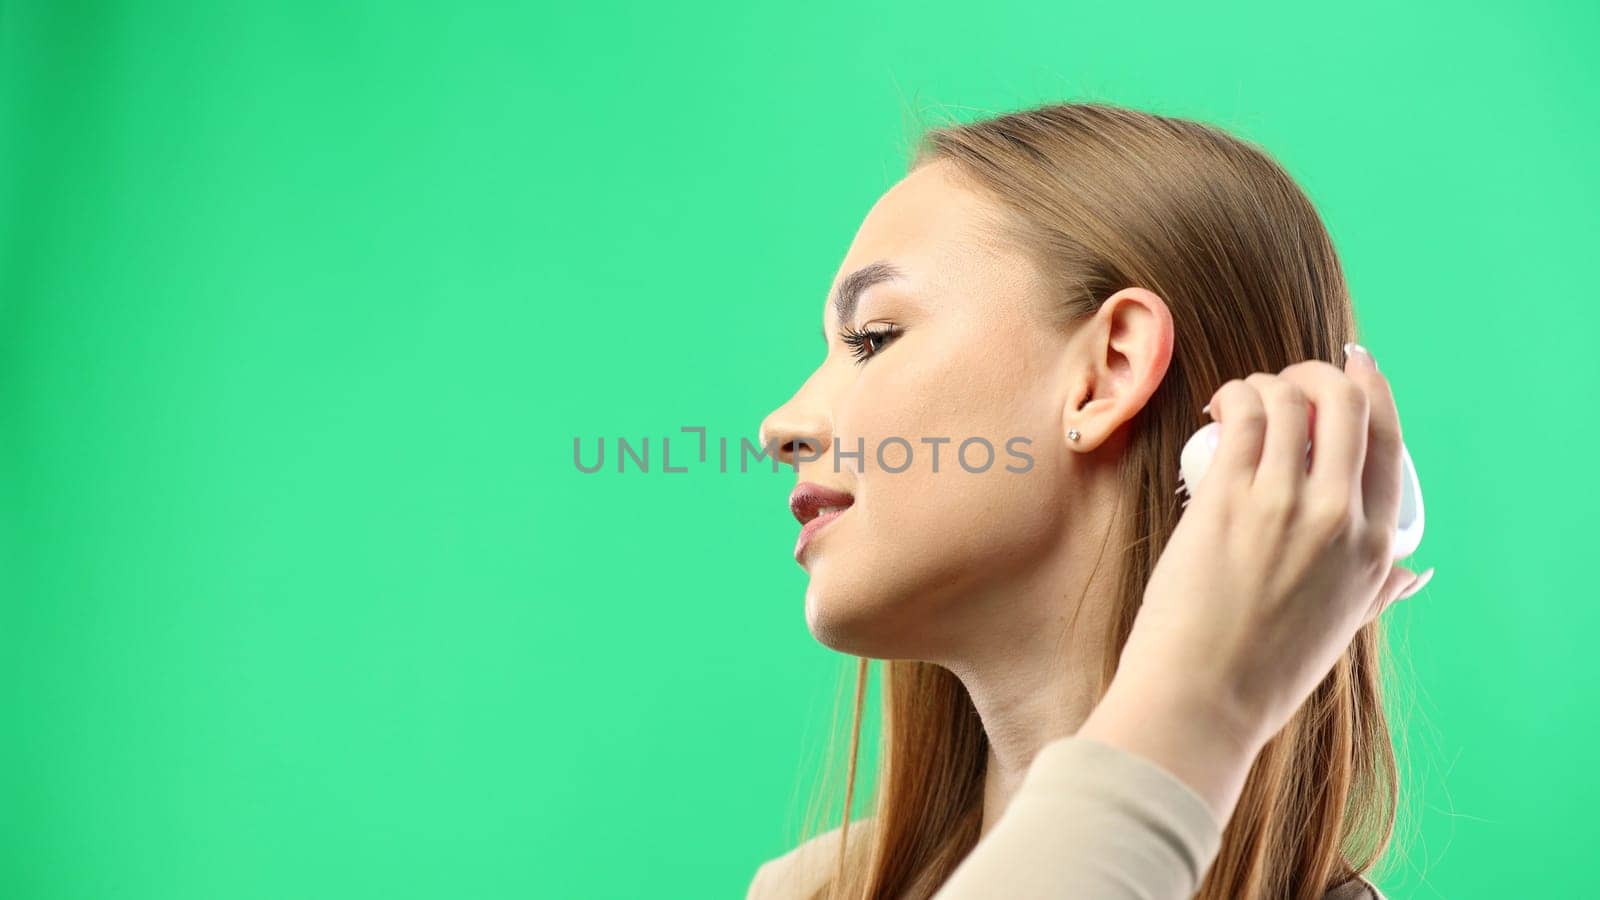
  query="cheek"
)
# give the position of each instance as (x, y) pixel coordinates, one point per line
(916, 415)
(896, 574)
(952, 510)
(956, 521)
(929, 393)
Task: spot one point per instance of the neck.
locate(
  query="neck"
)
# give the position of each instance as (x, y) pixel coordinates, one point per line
(1035, 680)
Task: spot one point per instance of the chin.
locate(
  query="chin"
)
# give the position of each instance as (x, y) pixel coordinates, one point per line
(859, 620)
(833, 622)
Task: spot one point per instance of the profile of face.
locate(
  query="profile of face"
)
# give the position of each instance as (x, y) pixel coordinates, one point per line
(966, 496)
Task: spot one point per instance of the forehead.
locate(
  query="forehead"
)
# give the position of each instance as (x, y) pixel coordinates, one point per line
(937, 235)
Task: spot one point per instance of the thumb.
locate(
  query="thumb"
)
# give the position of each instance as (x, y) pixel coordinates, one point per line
(1400, 584)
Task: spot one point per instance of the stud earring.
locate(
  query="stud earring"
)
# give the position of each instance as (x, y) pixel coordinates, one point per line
(1072, 433)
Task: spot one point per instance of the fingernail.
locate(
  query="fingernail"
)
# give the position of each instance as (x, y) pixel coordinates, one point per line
(1422, 579)
(1205, 410)
(1351, 348)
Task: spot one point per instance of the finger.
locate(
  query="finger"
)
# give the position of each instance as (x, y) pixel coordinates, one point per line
(1399, 582)
(1382, 474)
(1283, 451)
(1238, 407)
(1339, 429)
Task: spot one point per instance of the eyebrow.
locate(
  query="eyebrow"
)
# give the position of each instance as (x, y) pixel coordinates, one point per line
(856, 283)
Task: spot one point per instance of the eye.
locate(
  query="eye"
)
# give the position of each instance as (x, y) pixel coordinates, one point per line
(866, 343)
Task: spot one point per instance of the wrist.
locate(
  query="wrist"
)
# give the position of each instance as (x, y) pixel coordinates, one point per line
(1202, 739)
(1198, 699)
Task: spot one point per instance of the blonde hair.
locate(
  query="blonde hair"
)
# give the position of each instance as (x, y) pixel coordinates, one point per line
(1105, 197)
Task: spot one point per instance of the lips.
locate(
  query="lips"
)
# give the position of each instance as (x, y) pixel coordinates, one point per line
(809, 500)
(814, 506)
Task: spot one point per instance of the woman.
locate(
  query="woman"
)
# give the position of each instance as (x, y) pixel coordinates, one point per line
(1095, 689)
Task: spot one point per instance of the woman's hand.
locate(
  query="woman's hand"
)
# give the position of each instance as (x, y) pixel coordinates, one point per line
(1270, 573)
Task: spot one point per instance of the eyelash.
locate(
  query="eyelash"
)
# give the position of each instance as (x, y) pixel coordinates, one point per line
(857, 340)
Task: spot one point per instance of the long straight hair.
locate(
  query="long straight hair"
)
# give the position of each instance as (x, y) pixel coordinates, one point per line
(1105, 197)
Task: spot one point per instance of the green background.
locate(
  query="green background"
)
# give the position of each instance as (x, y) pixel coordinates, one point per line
(302, 305)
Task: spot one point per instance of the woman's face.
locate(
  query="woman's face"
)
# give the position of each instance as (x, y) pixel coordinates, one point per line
(924, 555)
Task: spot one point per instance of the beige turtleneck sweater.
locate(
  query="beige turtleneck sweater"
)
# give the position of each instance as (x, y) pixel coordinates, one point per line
(1090, 821)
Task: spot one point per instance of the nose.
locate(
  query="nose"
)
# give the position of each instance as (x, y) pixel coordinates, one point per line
(799, 429)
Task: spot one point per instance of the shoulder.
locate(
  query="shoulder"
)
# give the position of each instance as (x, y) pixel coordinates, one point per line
(801, 871)
(1357, 888)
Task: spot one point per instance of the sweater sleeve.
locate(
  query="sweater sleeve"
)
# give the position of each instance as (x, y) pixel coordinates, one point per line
(1091, 821)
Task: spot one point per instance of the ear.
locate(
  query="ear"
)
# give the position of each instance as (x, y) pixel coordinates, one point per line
(1120, 357)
